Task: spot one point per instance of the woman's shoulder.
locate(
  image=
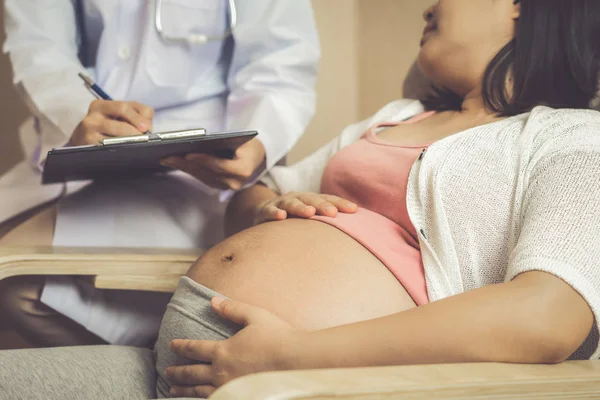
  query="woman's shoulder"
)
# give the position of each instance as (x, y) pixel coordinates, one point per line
(564, 128)
(566, 115)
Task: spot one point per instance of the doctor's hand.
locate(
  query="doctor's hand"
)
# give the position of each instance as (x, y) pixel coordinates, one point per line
(302, 205)
(222, 173)
(265, 343)
(107, 118)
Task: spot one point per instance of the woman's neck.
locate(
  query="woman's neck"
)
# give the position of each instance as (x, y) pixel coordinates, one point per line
(474, 108)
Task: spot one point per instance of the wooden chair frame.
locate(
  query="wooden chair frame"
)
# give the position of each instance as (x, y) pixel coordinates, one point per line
(159, 270)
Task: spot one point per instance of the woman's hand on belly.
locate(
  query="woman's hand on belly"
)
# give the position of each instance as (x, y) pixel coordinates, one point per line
(534, 319)
(266, 343)
(302, 205)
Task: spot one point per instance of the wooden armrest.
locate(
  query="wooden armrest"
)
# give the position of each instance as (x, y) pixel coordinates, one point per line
(570, 380)
(127, 269)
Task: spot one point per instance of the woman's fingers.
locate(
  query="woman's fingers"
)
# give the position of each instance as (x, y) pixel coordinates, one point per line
(296, 207)
(321, 205)
(342, 205)
(192, 374)
(304, 205)
(197, 350)
(202, 391)
(270, 212)
(237, 312)
(327, 205)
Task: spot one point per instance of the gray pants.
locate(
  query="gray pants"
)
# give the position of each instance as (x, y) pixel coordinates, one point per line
(113, 372)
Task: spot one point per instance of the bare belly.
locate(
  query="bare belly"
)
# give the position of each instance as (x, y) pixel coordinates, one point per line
(310, 274)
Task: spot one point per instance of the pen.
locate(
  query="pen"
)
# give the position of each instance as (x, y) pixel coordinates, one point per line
(97, 90)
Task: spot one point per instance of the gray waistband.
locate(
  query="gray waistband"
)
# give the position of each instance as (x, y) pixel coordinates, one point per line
(188, 316)
(192, 300)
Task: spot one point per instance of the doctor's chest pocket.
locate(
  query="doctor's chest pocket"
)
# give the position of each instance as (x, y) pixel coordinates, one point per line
(174, 62)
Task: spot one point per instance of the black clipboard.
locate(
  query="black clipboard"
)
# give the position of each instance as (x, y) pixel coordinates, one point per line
(133, 160)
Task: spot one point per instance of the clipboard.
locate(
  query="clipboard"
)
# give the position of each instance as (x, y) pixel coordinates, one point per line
(136, 156)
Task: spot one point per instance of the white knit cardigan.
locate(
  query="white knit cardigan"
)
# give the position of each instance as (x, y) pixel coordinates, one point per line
(521, 194)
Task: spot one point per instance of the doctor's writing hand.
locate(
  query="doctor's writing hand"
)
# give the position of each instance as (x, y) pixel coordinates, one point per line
(222, 173)
(266, 343)
(302, 205)
(112, 118)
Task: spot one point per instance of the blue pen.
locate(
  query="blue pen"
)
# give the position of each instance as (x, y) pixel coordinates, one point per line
(97, 91)
(91, 85)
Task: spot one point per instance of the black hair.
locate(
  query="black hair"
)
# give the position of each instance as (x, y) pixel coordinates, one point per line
(554, 60)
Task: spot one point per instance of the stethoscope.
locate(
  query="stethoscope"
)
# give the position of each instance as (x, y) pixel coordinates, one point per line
(194, 38)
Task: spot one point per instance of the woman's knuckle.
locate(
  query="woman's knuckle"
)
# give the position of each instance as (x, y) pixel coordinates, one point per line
(227, 308)
(198, 391)
(221, 377)
(304, 197)
(288, 204)
(221, 351)
(186, 373)
(188, 347)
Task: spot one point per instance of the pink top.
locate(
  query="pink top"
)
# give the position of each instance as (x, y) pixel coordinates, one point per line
(374, 174)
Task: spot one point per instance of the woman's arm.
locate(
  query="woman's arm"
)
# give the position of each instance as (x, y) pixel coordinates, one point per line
(305, 175)
(546, 308)
(259, 204)
(241, 210)
(536, 318)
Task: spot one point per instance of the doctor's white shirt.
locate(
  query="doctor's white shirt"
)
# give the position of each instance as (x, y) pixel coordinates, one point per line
(260, 78)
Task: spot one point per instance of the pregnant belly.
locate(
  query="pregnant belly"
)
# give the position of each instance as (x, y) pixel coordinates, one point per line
(307, 272)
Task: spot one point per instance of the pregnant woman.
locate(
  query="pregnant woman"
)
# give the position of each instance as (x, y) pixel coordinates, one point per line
(473, 232)
(464, 228)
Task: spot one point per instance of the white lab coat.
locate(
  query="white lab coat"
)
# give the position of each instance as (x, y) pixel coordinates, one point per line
(263, 78)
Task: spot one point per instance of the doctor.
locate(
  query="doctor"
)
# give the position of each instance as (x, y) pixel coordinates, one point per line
(173, 64)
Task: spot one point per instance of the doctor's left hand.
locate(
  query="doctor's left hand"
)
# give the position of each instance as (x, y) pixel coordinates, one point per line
(265, 343)
(222, 173)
